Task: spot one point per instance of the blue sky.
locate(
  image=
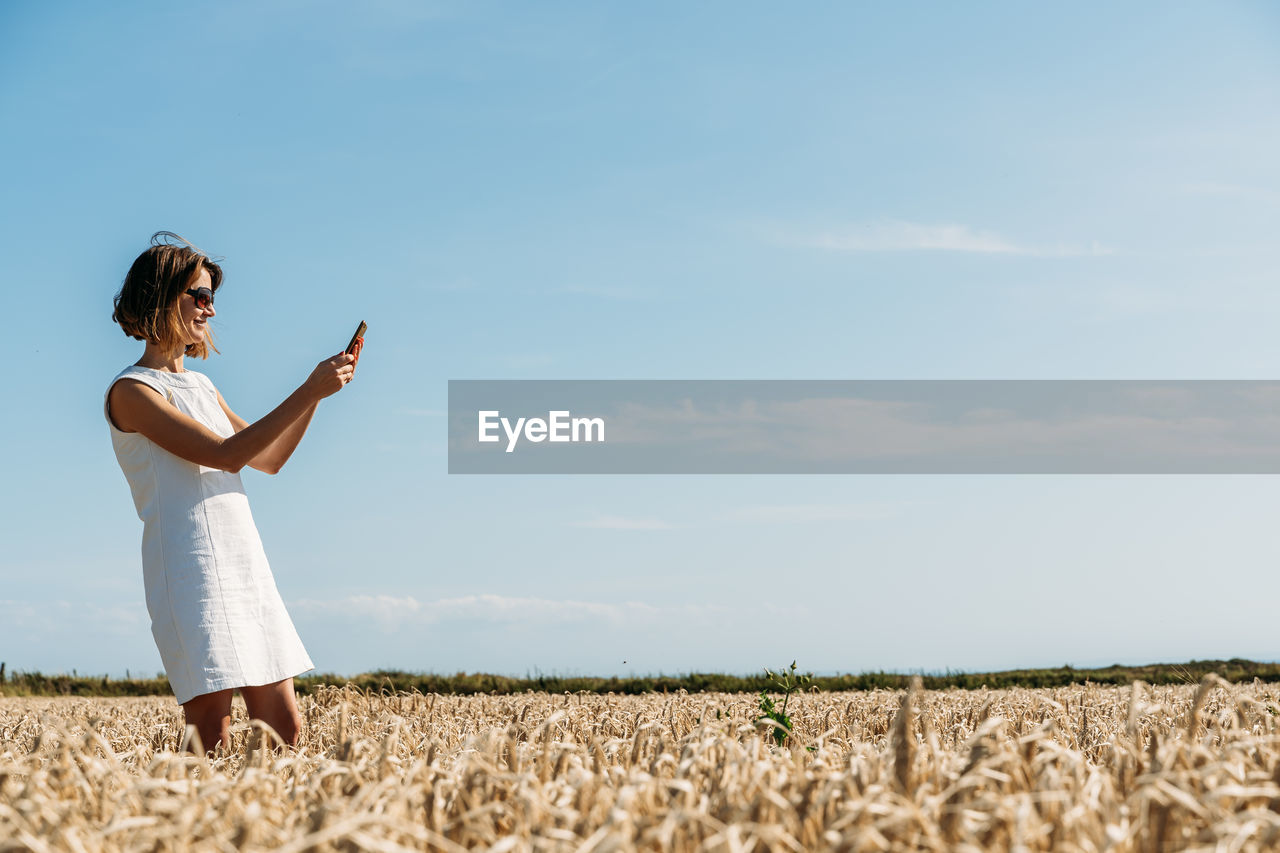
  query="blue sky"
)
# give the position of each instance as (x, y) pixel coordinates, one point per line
(674, 191)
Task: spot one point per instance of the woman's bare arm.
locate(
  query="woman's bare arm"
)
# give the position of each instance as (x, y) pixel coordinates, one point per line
(278, 452)
(136, 407)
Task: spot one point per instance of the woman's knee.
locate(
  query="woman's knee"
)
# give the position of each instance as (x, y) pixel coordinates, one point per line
(211, 716)
(275, 705)
(287, 722)
(290, 728)
(287, 727)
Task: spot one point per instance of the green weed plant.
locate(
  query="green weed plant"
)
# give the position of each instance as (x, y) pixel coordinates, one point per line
(787, 682)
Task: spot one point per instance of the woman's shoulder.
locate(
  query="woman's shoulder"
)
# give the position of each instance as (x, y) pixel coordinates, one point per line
(166, 382)
(166, 377)
(133, 372)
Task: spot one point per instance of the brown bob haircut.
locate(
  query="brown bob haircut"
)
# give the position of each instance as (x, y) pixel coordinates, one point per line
(147, 305)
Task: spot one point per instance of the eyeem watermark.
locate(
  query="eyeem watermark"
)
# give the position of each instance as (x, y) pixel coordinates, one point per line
(558, 426)
(864, 427)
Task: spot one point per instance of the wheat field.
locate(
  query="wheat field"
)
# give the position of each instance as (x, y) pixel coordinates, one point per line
(1078, 768)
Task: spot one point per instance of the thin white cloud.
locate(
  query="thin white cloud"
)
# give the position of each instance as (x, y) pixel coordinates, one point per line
(760, 514)
(601, 290)
(1215, 188)
(918, 237)
(528, 360)
(1108, 301)
(74, 617)
(391, 610)
(615, 522)
(454, 286)
(807, 513)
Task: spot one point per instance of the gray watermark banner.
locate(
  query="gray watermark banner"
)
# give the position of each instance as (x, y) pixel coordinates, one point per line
(864, 427)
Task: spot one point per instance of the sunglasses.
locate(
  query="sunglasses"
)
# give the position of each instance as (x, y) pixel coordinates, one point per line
(203, 296)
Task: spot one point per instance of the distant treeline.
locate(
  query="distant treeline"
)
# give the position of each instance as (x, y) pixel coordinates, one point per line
(1236, 669)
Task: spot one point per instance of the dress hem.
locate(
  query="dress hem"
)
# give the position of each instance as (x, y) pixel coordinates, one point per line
(236, 683)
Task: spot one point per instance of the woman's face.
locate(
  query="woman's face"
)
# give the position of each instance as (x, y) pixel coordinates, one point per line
(195, 318)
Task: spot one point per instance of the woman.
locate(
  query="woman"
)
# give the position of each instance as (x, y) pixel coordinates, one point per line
(216, 615)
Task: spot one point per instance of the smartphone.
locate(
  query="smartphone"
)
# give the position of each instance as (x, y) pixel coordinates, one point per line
(356, 338)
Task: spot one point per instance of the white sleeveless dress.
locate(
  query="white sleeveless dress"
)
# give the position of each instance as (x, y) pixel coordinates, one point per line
(216, 614)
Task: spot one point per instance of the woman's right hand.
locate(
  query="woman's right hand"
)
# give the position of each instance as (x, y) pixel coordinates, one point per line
(330, 375)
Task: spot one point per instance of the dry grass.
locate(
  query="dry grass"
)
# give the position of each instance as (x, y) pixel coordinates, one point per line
(1083, 768)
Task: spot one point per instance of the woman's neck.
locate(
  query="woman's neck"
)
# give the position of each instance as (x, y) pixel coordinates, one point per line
(158, 358)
